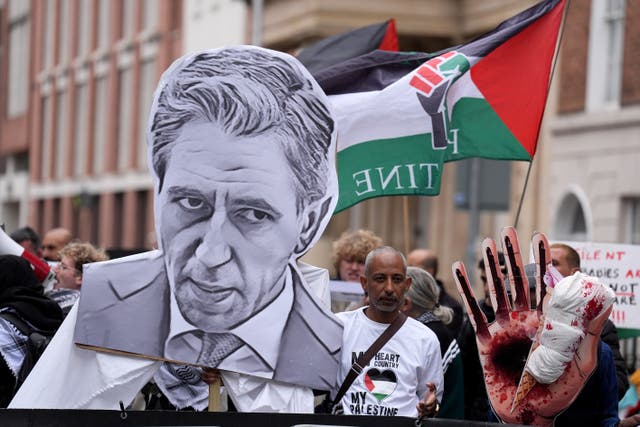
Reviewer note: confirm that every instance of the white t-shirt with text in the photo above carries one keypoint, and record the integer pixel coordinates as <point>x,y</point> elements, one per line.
<point>395,379</point>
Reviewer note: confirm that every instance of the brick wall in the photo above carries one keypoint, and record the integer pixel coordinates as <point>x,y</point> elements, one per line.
<point>573,52</point>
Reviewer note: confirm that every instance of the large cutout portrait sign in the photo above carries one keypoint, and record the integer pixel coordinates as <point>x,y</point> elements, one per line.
<point>241,146</point>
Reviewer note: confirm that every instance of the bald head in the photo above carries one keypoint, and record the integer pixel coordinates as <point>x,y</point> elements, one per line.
<point>383,250</point>
<point>425,259</point>
<point>53,241</point>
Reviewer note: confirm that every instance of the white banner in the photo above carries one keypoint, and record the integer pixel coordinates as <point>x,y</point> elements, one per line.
<point>619,267</point>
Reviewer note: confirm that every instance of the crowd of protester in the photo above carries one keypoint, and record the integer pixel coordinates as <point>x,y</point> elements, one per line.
<point>30,314</point>
<point>24,301</point>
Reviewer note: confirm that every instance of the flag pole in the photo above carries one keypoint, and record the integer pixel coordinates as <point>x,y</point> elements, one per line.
<point>553,69</point>
<point>405,221</point>
<point>524,190</point>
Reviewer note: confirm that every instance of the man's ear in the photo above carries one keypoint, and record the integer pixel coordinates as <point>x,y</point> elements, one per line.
<point>407,307</point>
<point>363,283</point>
<point>310,224</point>
<point>407,284</point>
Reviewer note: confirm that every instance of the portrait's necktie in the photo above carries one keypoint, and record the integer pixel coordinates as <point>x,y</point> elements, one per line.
<point>216,347</point>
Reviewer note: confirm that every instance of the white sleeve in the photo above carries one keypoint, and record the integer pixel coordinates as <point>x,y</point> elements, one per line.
<point>431,372</point>
<point>67,377</point>
<point>317,279</point>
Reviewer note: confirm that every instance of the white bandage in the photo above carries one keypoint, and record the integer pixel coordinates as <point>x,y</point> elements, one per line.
<point>575,301</point>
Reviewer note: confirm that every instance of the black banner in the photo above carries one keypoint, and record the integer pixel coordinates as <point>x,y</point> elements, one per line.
<point>99,418</point>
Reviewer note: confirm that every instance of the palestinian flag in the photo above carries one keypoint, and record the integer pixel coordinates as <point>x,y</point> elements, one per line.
<point>380,383</point>
<point>400,117</point>
<point>341,47</point>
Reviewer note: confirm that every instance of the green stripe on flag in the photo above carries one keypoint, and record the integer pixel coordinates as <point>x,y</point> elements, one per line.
<point>481,133</point>
<point>389,167</point>
<point>383,387</point>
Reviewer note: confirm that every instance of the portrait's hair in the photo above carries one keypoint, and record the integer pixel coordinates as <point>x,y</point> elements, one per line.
<point>247,92</point>
<point>354,246</point>
<point>424,294</point>
<point>83,253</point>
<point>26,233</point>
<point>573,258</point>
<point>369,259</point>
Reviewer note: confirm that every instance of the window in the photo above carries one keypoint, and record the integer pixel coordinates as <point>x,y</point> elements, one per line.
<point>615,37</point>
<point>631,210</point>
<point>606,42</point>
<point>47,34</point>
<point>18,86</point>
<point>128,18</point>
<point>570,221</point>
<point>84,36</point>
<point>148,83</point>
<point>95,220</point>
<point>21,162</point>
<point>124,119</point>
<point>141,218</point>
<point>149,14</point>
<point>61,134</point>
<point>63,32</point>
<point>75,221</point>
<point>103,23</point>
<point>117,218</point>
<point>40,215</point>
<point>80,136</point>
<point>56,212</point>
<point>100,124</point>
<point>45,137</point>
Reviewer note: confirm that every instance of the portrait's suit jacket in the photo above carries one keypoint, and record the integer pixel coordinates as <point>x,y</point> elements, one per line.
<point>124,305</point>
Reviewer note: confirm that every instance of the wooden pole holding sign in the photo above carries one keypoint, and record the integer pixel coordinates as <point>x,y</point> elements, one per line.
<point>405,223</point>
<point>214,396</point>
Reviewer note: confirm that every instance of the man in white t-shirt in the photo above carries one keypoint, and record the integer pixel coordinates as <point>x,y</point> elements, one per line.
<point>405,377</point>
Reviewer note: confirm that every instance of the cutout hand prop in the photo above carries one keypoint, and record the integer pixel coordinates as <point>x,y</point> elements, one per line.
<point>504,345</point>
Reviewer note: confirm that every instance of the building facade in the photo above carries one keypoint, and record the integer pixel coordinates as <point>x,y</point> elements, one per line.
<point>87,72</point>
<point>15,27</point>
<point>594,190</point>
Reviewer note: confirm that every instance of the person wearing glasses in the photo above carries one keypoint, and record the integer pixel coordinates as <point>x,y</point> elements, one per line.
<point>68,272</point>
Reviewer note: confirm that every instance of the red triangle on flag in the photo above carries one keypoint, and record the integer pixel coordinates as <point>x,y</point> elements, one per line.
<point>390,39</point>
<point>514,77</point>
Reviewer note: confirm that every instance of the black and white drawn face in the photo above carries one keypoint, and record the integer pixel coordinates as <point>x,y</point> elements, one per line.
<point>241,147</point>
<point>228,223</point>
<point>242,155</point>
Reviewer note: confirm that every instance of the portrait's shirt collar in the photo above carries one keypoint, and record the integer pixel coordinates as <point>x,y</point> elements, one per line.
<point>262,333</point>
